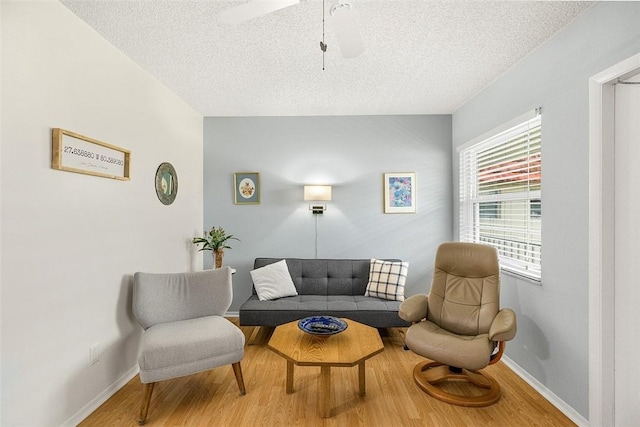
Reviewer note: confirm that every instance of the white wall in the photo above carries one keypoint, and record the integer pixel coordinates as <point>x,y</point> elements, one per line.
<point>553,319</point>
<point>351,153</point>
<point>71,242</point>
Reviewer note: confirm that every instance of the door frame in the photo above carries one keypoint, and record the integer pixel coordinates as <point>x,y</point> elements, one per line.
<point>601,241</point>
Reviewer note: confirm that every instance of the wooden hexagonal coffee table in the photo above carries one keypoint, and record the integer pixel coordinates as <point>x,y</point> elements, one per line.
<point>346,349</point>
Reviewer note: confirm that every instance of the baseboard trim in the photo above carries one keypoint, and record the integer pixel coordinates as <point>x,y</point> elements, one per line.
<point>232,314</point>
<point>546,393</point>
<point>88,409</point>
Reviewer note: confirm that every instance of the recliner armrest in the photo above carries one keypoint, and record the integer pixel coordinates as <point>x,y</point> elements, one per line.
<point>414,308</point>
<point>503,327</point>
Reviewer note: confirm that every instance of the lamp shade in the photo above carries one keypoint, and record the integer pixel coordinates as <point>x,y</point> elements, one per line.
<point>317,193</point>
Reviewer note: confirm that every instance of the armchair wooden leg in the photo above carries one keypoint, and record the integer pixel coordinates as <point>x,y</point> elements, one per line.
<point>403,332</point>
<point>238,371</point>
<point>147,391</point>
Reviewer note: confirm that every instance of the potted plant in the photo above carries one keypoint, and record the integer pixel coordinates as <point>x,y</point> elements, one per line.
<point>215,241</point>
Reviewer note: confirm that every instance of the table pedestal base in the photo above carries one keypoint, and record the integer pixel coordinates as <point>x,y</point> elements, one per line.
<point>325,385</point>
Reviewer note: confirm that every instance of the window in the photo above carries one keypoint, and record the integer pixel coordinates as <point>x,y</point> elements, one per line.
<point>500,195</point>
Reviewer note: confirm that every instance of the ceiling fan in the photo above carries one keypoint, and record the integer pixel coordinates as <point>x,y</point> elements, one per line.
<point>342,19</point>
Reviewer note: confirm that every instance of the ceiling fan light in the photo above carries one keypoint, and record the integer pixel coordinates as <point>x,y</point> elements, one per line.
<point>346,29</point>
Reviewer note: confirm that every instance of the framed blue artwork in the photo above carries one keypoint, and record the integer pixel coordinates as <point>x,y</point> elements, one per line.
<point>400,192</point>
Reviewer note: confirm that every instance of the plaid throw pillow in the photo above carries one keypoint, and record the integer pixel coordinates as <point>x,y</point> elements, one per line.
<point>386,279</point>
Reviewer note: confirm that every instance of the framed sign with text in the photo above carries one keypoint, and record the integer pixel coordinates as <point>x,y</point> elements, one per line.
<point>73,152</point>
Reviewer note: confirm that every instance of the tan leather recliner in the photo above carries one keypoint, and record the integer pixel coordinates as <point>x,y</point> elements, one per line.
<point>459,325</point>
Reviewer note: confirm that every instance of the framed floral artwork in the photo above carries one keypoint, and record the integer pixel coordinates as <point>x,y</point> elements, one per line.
<point>400,192</point>
<point>246,188</point>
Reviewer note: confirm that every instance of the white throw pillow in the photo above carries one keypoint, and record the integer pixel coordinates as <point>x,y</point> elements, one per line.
<point>273,281</point>
<point>386,279</point>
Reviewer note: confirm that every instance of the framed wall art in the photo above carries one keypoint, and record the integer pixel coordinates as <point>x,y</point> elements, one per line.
<point>400,192</point>
<point>246,188</point>
<point>77,153</point>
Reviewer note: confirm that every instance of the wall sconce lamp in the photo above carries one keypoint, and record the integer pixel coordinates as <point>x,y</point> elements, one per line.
<point>317,193</point>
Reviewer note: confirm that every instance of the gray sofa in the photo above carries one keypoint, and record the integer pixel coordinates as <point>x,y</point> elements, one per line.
<point>333,287</point>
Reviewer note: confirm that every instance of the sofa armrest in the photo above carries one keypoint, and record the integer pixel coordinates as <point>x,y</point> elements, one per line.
<point>414,308</point>
<point>503,327</point>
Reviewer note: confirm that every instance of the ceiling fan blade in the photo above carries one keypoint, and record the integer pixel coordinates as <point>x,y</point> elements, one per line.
<point>347,31</point>
<point>253,9</point>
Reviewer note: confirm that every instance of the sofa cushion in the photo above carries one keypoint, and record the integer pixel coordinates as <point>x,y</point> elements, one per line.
<point>273,281</point>
<point>367,310</point>
<point>324,276</point>
<point>387,279</point>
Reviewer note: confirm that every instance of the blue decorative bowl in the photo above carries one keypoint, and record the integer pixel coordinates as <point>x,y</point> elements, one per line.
<point>322,325</point>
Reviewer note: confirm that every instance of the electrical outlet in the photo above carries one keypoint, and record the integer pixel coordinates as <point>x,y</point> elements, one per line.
<point>94,354</point>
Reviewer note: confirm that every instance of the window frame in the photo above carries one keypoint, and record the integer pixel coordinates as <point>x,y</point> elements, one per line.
<point>528,265</point>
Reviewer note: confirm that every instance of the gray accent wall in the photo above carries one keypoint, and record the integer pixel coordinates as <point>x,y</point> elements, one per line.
<point>553,318</point>
<point>351,154</point>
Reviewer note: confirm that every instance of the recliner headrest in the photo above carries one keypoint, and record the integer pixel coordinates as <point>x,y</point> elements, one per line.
<point>467,259</point>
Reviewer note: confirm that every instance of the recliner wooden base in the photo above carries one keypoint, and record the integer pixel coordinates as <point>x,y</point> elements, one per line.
<point>427,374</point>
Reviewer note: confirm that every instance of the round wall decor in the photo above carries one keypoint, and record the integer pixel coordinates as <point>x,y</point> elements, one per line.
<point>166,183</point>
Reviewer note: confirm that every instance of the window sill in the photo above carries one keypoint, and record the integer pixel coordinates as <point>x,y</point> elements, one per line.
<point>533,281</point>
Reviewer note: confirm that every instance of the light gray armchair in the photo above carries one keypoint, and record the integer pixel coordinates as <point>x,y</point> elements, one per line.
<point>184,328</point>
<point>459,325</point>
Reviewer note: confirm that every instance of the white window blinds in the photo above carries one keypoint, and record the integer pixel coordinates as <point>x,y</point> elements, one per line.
<point>500,196</point>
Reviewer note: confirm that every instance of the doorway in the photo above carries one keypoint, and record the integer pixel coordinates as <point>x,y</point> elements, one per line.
<point>627,249</point>
<point>613,204</point>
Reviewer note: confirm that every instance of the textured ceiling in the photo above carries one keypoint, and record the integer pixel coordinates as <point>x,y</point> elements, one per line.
<point>421,57</point>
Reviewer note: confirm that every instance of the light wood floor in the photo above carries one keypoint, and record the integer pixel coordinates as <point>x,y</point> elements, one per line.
<point>212,399</point>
